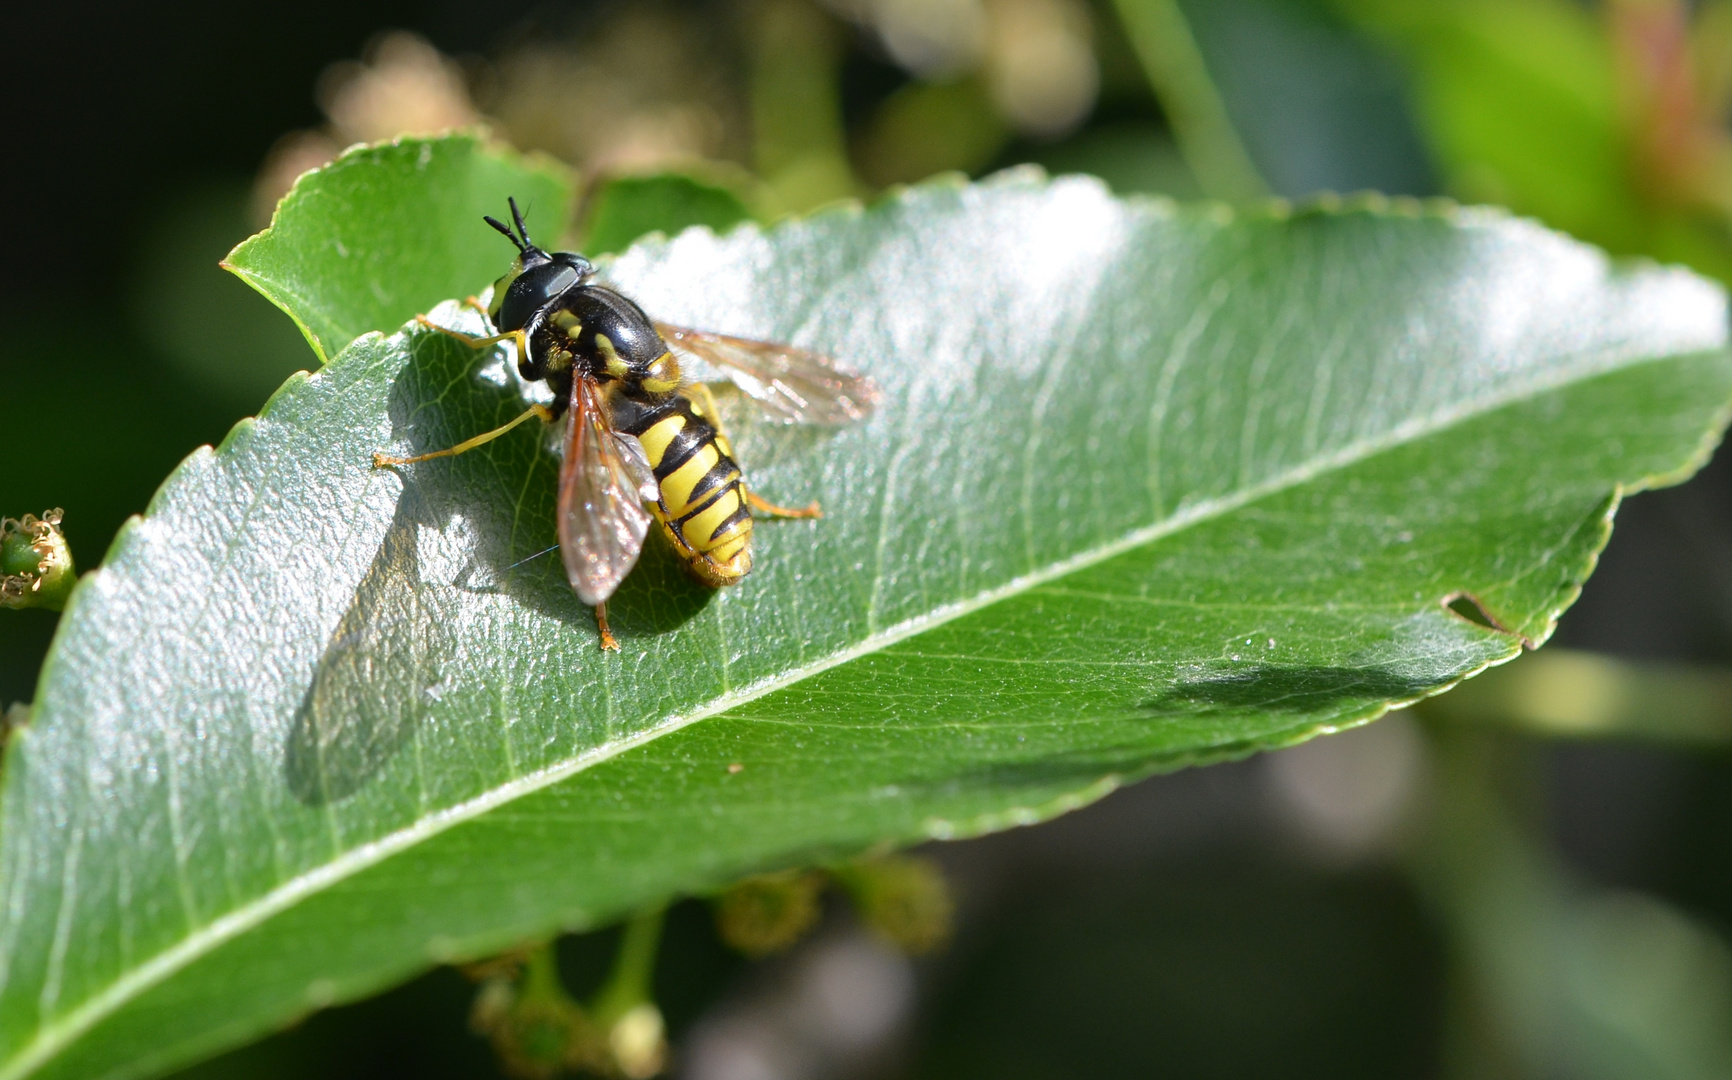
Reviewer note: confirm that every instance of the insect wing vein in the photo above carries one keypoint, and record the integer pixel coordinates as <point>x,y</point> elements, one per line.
<point>602,521</point>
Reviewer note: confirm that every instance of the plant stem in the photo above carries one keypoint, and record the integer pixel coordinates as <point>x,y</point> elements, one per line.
<point>1202,128</point>
<point>541,974</point>
<point>628,984</point>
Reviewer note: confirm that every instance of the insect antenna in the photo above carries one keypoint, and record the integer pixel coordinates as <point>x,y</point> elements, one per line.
<point>503,228</point>
<point>517,216</point>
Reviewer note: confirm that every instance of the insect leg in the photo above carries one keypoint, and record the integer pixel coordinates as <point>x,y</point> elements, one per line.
<point>381,460</point>
<point>770,509</point>
<point>607,639</point>
<point>516,337</point>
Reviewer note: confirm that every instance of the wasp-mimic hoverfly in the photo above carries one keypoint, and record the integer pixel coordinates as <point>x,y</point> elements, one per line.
<point>639,432</point>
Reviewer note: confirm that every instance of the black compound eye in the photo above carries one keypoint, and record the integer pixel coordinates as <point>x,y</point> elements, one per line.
<point>533,290</point>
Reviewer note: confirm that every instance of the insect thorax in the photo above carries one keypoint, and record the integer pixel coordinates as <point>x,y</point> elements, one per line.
<point>595,331</point>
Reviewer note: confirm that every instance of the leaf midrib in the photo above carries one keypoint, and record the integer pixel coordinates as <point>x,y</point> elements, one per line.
<point>56,1035</point>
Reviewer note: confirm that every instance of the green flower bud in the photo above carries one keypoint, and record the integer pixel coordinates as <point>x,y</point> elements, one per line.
<point>904,899</point>
<point>539,1031</point>
<point>768,914</point>
<point>535,1026</point>
<point>35,563</point>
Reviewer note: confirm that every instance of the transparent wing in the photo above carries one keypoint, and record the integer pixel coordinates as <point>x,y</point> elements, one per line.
<point>637,465</point>
<point>792,385</point>
<point>602,521</point>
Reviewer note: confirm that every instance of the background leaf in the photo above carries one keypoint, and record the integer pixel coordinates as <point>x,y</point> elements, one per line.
<point>1560,152</point>
<point>1148,488</point>
<point>627,207</point>
<point>1319,108</point>
<point>385,232</point>
<point>1522,103</point>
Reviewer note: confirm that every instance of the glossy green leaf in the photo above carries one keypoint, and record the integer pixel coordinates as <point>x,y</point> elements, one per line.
<point>1148,487</point>
<point>385,232</point>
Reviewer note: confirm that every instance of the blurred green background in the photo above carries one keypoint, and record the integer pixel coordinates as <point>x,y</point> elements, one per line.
<point>1531,877</point>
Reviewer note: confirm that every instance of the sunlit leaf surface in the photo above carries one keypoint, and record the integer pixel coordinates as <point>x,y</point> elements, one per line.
<point>1148,487</point>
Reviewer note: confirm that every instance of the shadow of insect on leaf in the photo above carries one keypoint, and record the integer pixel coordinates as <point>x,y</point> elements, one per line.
<point>1278,689</point>
<point>376,680</point>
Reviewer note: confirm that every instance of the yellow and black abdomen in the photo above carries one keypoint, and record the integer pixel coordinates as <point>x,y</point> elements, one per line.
<point>702,499</point>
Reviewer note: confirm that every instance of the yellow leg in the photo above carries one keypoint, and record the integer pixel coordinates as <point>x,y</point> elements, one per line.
<point>772,510</point>
<point>607,641</point>
<point>381,460</point>
<point>516,337</point>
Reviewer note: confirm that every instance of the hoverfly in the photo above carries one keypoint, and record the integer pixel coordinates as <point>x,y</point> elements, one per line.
<point>640,433</point>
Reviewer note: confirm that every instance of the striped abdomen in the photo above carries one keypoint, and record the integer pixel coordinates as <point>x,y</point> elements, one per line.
<point>702,504</point>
